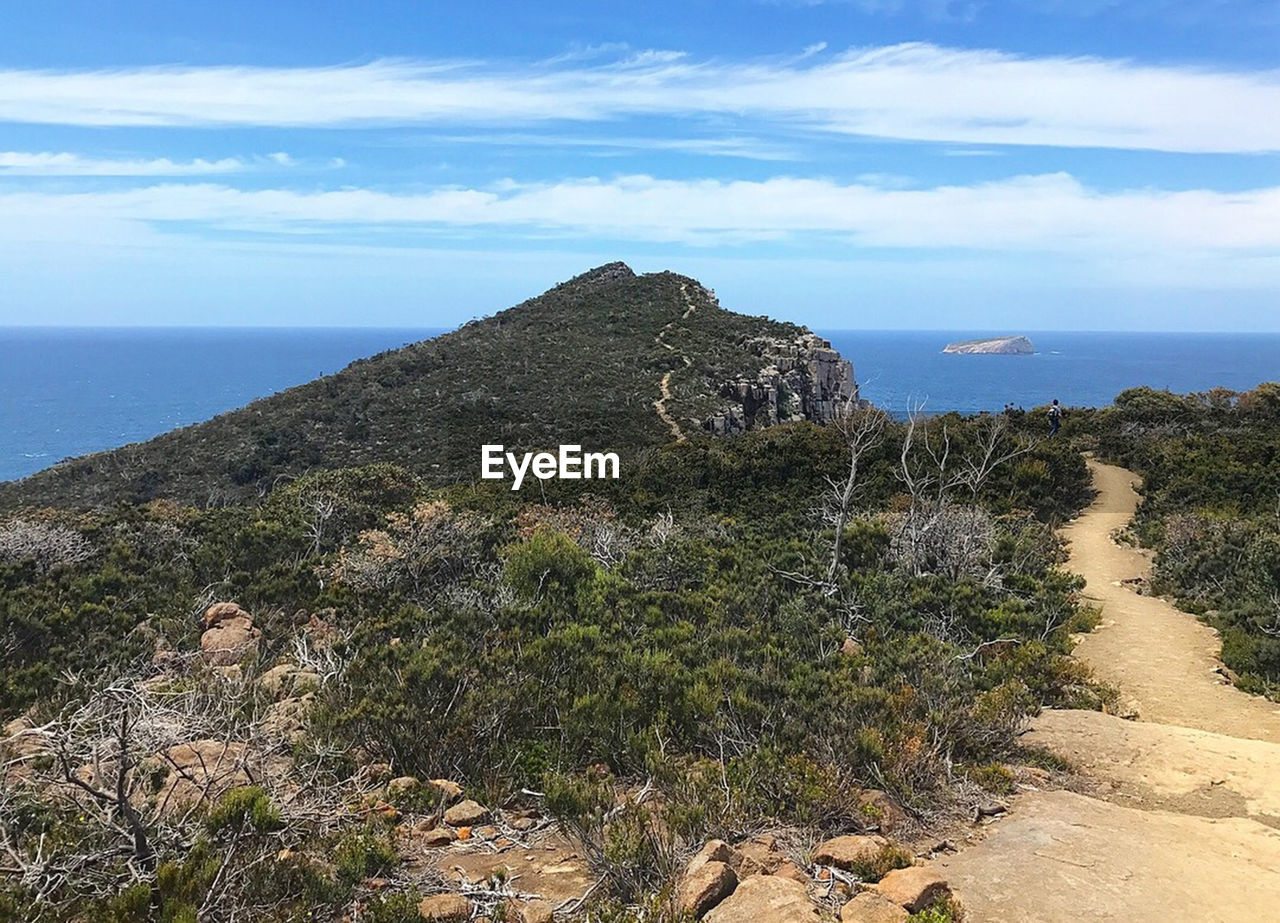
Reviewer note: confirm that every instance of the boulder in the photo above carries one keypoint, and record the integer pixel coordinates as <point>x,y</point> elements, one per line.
<point>766,899</point>
<point>704,886</point>
<point>17,726</point>
<point>846,852</point>
<point>789,869</point>
<point>711,851</point>
<point>188,773</point>
<point>445,908</point>
<point>436,837</point>
<point>402,785</point>
<point>850,647</point>
<point>286,719</point>
<point>534,911</point>
<point>21,741</point>
<point>758,856</point>
<point>447,789</point>
<point>288,679</point>
<point>466,814</point>
<point>229,635</point>
<point>223,612</point>
<point>914,888</point>
<point>870,907</point>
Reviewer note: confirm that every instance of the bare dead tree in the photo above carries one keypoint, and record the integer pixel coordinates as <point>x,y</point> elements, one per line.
<point>135,768</point>
<point>109,783</point>
<point>994,449</point>
<point>317,506</point>
<point>938,534</point>
<point>1272,625</point>
<point>862,429</point>
<point>44,545</point>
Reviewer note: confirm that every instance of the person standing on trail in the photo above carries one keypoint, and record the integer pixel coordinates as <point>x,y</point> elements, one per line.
<point>1055,417</point>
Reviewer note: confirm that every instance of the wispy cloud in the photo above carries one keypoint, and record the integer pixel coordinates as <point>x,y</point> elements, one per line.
<point>911,92</point>
<point>48,163</point>
<point>1052,213</point>
<point>743,148</point>
<point>1175,12</point>
<point>64,163</point>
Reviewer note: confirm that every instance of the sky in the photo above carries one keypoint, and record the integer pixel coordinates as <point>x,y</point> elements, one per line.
<point>1011,165</point>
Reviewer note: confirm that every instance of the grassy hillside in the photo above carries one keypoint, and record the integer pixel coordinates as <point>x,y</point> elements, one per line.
<point>581,363</point>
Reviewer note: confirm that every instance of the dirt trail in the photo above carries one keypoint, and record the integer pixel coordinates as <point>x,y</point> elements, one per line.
<point>664,386</point>
<point>1181,821</point>
<point>1162,659</point>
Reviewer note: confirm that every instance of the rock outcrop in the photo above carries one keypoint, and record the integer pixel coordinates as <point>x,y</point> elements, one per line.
<point>913,888</point>
<point>848,852</point>
<point>766,899</point>
<point>805,379</point>
<point>466,814</point>
<point>445,908</point>
<point>706,885</point>
<point>228,635</point>
<point>870,907</point>
<point>992,346</point>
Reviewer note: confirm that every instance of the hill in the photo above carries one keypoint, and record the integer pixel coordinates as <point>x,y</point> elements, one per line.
<point>609,360</point>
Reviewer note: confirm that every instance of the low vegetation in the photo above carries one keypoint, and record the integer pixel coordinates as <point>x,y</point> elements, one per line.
<point>749,632</point>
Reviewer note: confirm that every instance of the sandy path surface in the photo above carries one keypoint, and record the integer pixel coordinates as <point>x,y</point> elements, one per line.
<point>1181,822</point>
<point>1066,857</point>
<point>1163,660</point>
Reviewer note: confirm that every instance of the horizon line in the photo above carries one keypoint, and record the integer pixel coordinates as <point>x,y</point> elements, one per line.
<point>442,329</point>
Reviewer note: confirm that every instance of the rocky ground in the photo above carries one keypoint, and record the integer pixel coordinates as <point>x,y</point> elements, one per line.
<point>1179,819</point>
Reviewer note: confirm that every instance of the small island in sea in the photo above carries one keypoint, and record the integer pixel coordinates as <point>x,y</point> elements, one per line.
<point>993,346</point>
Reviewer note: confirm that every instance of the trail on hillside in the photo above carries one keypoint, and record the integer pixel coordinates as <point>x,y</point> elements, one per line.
<point>664,386</point>
<point>1182,817</point>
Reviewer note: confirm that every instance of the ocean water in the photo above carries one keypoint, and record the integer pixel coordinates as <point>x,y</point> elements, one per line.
<point>899,370</point>
<point>66,392</point>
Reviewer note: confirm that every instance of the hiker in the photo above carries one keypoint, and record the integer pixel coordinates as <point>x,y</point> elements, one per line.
<point>1055,418</point>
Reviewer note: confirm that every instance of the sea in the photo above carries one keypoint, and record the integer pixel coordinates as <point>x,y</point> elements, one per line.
<point>69,391</point>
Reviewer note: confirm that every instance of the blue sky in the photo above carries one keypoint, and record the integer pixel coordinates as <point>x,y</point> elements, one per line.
<point>956,164</point>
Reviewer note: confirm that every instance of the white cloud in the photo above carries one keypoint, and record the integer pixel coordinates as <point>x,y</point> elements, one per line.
<point>64,163</point>
<point>48,163</point>
<point>744,148</point>
<point>912,92</point>
<point>1050,214</point>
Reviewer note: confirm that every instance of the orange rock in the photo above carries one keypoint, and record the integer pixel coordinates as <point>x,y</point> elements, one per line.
<point>845,852</point>
<point>914,888</point>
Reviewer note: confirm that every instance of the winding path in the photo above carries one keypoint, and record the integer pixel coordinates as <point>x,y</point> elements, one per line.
<point>664,386</point>
<point>1164,661</point>
<point>1182,819</point>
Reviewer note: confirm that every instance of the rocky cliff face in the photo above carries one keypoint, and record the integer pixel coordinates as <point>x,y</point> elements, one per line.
<point>805,379</point>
